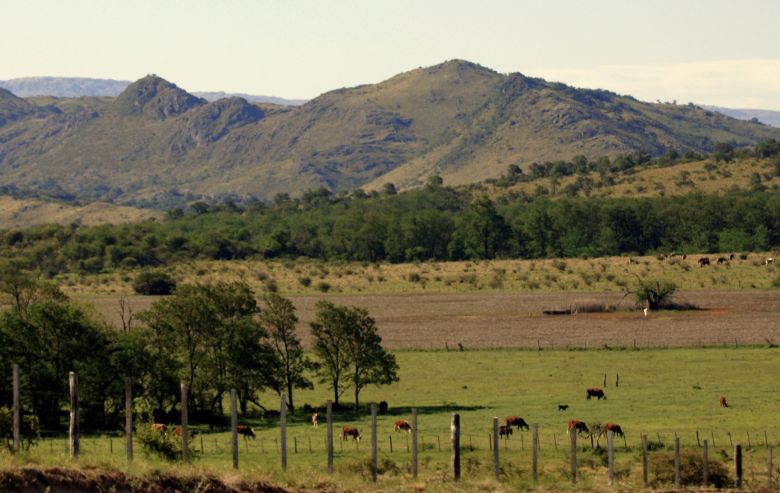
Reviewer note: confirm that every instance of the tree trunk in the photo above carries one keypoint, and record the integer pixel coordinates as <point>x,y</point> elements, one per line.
<point>357,402</point>
<point>290,396</point>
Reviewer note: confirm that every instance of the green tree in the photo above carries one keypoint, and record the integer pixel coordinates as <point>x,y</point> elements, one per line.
<point>24,287</point>
<point>484,231</point>
<point>347,342</point>
<point>278,318</point>
<point>654,294</point>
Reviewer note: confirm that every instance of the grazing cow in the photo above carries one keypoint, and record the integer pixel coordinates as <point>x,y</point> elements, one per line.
<point>177,431</point>
<point>578,427</point>
<point>402,424</point>
<point>704,261</point>
<point>246,431</point>
<point>770,260</point>
<point>517,421</point>
<point>383,407</point>
<point>563,407</point>
<point>723,402</point>
<point>504,431</point>
<point>722,260</point>
<point>613,428</point>
<point>597,393</point>
<point>348,431</point>
<point>731,257</point>
<point>315,419</point>
<point>159,427</point>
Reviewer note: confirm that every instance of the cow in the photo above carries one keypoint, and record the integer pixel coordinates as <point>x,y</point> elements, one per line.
<point>190,431</point>
<point>383,407</point>
<point>246,431</point>
<point>597,393</point>
<point>517,421</point>
<point>402,424</point>
<point>349,431</point>
<point>315,419</point>
<point>563,407</point>
<point>159,427</point>
<point>723,402</point>
<point>731,257</point>
<point>614,428</point>
<point>770,260</point>
<point>704,261</point>
<point>722,260</point>
<point>578,427</point>
<point>504,431</point>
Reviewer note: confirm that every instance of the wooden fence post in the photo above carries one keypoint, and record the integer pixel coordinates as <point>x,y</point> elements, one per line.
<point>234,425</point>
<point>455,445</point>
<point>610,457</point>
<point>705,468</point>
<point>185,425</point>
<point>769,451</point>
<point>677,462</point>
<point>535,453</point>
<point>738,465</point>
<point>495,448</point>
<point>391,442</point>
<point>573,436</point>
<point>414,442</point>
<point>373,443</point>
<point>329,442</point>
<point>73,431</point>
<point>129,418</point>
<point>283,427</point>
<point>644,461</point>
<point>17,424</point>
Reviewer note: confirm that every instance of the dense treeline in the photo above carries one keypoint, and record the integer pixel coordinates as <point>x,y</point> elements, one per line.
<point>213,337</point>
<point>434,223</point>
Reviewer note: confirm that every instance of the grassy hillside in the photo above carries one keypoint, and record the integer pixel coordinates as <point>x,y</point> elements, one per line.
<point>157,144</point>
<point>24,213</point>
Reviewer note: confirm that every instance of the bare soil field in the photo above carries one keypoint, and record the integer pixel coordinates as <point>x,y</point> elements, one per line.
<point>512,320</point>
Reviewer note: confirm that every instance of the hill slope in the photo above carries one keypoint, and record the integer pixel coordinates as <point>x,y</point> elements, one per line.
<point>155,144</point>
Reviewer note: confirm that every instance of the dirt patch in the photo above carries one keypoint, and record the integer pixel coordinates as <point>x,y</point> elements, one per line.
<point>61,480</point>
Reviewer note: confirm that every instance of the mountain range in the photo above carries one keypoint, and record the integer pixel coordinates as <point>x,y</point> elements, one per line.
<point>155,144</point>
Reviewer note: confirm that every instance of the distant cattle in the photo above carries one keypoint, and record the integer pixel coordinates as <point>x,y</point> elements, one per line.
<point>613,428</point>
<point>246,431</point>
<point>504,431</point>
<point>597,393</point>
<point>315,419</point>
<point>704,261</point>
<point>722,260</point>
<point>563,407</point>
<point>402,425</point>
<point>770,260</point>
<point>516,421</point>
<point>159,427</point>
<point>349,431</point>
<point>577,426</point>
<point>383,407</point>
<point>731,257</point>
<point>723,402</point>
<point>190,431</point>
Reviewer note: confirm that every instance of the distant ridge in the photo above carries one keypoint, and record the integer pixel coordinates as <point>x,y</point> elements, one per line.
<point>158,145</point>
<point>77,87</point>
<point>767,117</point>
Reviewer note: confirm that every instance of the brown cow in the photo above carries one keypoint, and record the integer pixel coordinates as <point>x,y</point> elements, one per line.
<point>402,424</point>
<point>614,428</point>
<point>504,431</point>
<point>723,402</point>
<point>516,421</point>
<point>597,393</point>
<point>315,419</point>
<point>578,426</point>
<point>704,261</point>
<point>191,432</point>
<point>349,431</point>
<point>246,431</point>
<point>722,260</point>
<point>159,427</point>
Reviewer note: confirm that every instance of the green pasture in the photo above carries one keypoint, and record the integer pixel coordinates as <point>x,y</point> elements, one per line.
<point>662,392</point>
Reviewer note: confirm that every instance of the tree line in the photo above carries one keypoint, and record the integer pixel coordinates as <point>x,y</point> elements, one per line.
<point>213,337</point>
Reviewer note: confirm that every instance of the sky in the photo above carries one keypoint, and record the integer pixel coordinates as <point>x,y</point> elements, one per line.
<point>716,52</point>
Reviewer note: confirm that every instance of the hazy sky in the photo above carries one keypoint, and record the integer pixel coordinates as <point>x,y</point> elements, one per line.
<point>706,51</point>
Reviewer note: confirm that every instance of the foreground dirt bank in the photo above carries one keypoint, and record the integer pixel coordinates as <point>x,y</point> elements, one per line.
<point>61,480</point>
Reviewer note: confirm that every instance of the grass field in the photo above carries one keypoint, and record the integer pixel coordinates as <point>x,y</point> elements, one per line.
<point>661,393</point>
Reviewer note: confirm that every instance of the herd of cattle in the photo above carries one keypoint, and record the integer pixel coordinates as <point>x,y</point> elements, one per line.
<point>504,431</point>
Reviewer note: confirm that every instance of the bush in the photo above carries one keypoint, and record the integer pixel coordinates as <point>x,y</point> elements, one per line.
<point>164,444</point>
<point>154,283</point>
<point>776,283</point>
<point>662,468</point>
<point>323,286</point>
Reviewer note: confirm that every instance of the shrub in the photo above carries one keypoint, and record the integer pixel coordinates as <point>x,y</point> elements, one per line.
<point>164,444</point>
<point>776,283</point>
<point>662,468</point>
<point>305,281</point>
<point>154,283</point>
<point>323,286</point>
